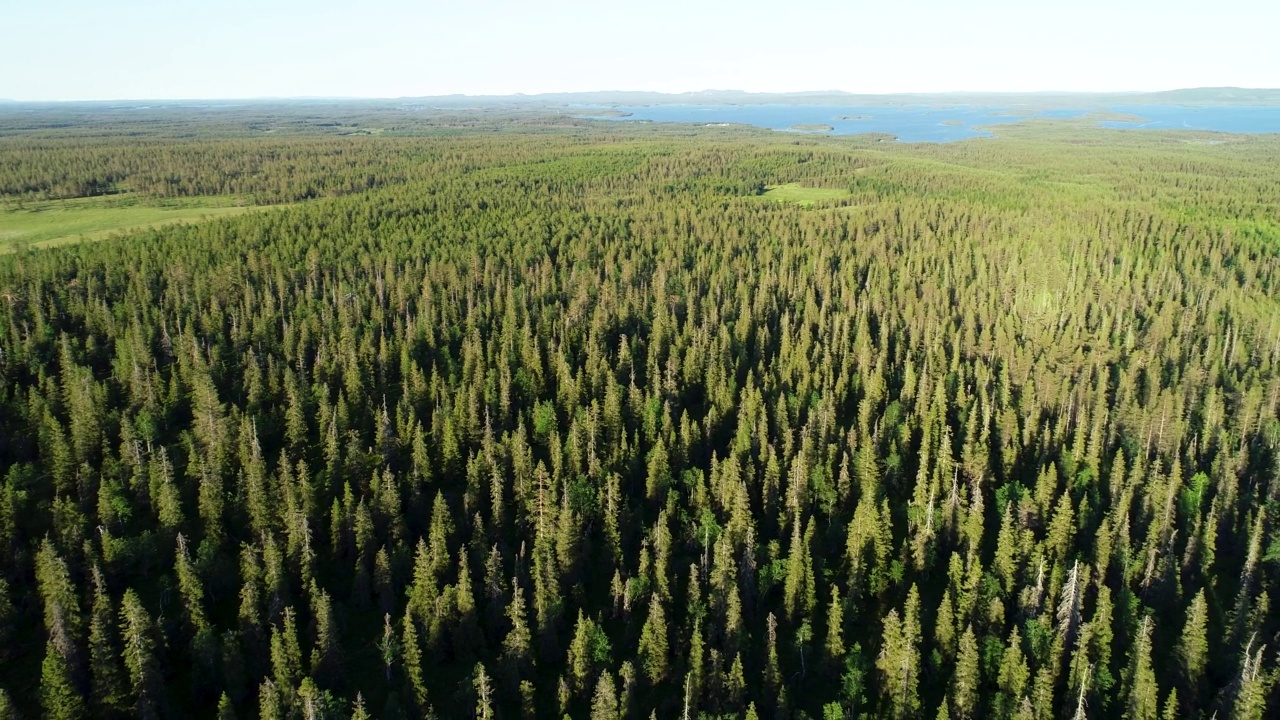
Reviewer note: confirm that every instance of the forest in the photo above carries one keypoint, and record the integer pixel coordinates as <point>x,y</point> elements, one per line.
<point>556,418</point>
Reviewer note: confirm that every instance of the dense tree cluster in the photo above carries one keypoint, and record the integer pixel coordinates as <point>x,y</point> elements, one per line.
<point>571,424</point>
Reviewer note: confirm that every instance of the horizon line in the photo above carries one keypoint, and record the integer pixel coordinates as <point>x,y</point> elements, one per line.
<point>536,95</point>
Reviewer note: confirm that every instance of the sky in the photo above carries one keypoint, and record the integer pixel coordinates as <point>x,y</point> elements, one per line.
<point>185,49</point>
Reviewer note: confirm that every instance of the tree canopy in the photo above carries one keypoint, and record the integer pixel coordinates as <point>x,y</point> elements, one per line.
<point>569,422</point>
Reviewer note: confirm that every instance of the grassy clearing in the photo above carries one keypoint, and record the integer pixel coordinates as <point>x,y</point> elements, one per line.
<point>60,222</point>
<point>795,193</point>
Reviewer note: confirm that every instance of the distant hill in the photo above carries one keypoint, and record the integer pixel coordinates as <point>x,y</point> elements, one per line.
<point>1216,96</point>
<point>1189,96</point>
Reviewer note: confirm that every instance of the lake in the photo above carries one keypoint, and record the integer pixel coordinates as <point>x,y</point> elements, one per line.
<point>933,123</point>
<point>1233,119</point>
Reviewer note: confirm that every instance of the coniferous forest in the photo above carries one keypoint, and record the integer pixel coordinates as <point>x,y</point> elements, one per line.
<point>553,418</point>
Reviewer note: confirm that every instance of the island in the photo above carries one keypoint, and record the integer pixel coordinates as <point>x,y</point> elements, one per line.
<point>607,113</point>
<point>813,127</point>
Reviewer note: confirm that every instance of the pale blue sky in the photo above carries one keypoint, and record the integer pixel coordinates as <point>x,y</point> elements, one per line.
<point>163,49</point>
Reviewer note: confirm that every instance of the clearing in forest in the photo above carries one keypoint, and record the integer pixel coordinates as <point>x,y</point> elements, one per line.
<point>800,195</point>
<point>48,223</point>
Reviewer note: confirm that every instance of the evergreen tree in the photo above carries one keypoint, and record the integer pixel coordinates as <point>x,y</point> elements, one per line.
<point>1193,647</point>
<point>62,619</point>
<point>109,695</point>
<point>286,657</point>
<point>484,693</point>
<point>1141,691</point>
<point>270,706</point>
<point>898,664</point>
<point>604,705</point>
<point>516,646</point>
<point>834,647</point>
<point>411,653</point>
<point>138,632</point>
<point>1253,685</point>
<point>966,680</point>
<point>326,653</point>
<point>1013,671</point>
<point>652,650</point>
<point>58,696</point>
<point>226,711</point>
<point>7,711</point>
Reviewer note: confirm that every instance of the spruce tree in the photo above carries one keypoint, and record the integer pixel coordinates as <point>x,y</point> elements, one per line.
<point>137,631</point>
<point>109,694</point>
<point>58,696</point>
<point>965,680</point>
<point>652,650</point>
<point>1141,691</point>
<point>1193,646</point>
<point>604,704</point>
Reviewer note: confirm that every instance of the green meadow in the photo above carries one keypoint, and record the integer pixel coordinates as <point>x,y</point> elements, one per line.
<point>49,223</point>
<point>800,195</point>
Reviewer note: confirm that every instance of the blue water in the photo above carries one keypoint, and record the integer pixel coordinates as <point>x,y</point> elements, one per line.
<point>1234,119</point>
<point>930,123</point>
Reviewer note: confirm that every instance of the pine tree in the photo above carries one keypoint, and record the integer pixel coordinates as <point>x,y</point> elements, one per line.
<point>7,711</point>
<point>1069,607</point>
<point>793,588</point>
<point>1252,685</point>
<point>694,680</point>
<point>382,589</point>
<point>1005,562</point>
<point>358,711</point>
<point>833,650</point>
<point>772,670</point>
<point>898,664</point>
<point>1061,528</point>
<point>604,705</point>
<point>226,711</point>
<point>467,638</point>
<point>204,645</point>
<point>579,662</point>
<point>965,681</point>
<point>484,693</point>
<point>652,650</point>
<point>411,653</point>
<point>1193,647</point>
<point>286,657</point>
<point>62,618</point>
<point>270,706</point>
<point>8,615</point>
<point>1142,693</point>
<point>326,653</point>
<point>388,647</point>
<point>658,474</point>
<point>516,646</point>
<point>109,695</point>
<point>945,626</point>
<point>1171,709</point>
<point>1013,671</point>
<point>138,634</point>
<point>58,696</point>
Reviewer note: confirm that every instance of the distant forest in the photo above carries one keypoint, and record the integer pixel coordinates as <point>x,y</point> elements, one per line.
<point>530,416</point>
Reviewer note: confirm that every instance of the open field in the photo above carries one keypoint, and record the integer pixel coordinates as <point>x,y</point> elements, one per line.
<point>800,195</point>
<point>59,222</point>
